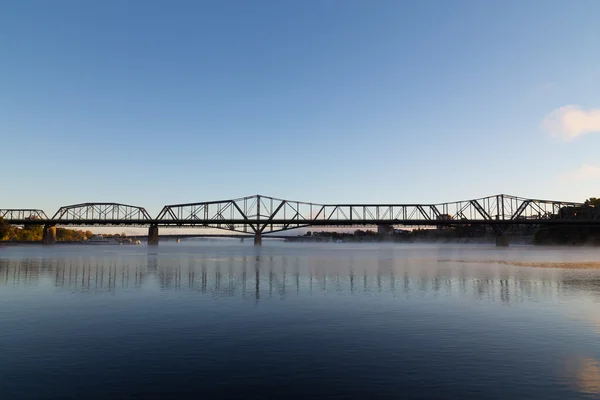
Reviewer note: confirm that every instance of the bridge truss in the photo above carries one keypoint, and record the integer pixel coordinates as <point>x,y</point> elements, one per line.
<point>269,215</point>
<point>247,214</point>
<point>22,214</point>
<point>263,214</point>
<point>101,213</point>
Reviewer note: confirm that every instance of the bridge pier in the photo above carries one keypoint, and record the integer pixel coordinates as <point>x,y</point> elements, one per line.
<point>258,238</point>
<point>49,234</point>
<point>384,230</point>
<point>502,241</point>
<point>153,235</point>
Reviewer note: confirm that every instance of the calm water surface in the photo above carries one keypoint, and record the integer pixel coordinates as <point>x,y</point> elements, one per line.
<point>227,320</point>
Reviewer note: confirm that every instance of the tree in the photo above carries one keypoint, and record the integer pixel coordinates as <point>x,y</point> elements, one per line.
<point>592,201</point>
<point>558,234</point>
<point>5,229</point>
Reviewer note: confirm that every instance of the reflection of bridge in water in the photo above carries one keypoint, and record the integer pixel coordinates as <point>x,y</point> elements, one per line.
<point>259,277</point>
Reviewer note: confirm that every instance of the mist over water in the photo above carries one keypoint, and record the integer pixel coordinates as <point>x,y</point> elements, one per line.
<point>228,320</point>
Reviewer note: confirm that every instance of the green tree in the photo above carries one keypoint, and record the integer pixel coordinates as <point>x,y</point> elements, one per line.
<point>5,229</point>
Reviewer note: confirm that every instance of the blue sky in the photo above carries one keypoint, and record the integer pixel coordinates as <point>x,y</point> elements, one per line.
<point>156,102</point>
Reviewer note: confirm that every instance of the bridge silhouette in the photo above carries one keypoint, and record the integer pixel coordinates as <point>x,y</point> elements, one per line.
<point>263,215</point>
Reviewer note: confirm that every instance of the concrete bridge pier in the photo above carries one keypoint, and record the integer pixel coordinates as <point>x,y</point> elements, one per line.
<point>49,234</point>
<point>258,238</point>
<point>502,241</point>
<point>384,231</point>
<point>153,235</point>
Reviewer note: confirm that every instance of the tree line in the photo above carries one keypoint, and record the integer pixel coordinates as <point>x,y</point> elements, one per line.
<point>34,232</point>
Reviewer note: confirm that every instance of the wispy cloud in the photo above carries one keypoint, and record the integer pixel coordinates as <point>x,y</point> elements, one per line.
<point>584,173</point>
<point>542,89</point>
<point>571,121</point>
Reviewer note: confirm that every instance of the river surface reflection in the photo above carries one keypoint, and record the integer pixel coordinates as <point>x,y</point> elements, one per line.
<point>228,320</point>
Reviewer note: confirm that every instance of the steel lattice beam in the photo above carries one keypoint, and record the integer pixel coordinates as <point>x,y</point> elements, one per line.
<point>101,212</point>
<point>23,214</point>
<point>267,214</point>
<point>264,214</point>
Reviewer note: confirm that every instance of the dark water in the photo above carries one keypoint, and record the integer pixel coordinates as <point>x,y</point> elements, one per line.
<point>223,320</point>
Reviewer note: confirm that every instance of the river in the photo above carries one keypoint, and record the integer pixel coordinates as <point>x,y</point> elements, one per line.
<point>222,319</point>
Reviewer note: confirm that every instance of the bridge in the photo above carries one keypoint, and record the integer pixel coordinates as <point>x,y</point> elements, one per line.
<point>262,215</point>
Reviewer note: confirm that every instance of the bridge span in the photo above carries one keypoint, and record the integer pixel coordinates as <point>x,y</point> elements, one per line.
<point>257,215</point>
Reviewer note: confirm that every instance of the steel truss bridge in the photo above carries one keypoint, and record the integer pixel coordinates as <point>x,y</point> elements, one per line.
<point>258,215</point>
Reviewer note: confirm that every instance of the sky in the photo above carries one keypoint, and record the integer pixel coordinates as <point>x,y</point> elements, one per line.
<point>161,102</point>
